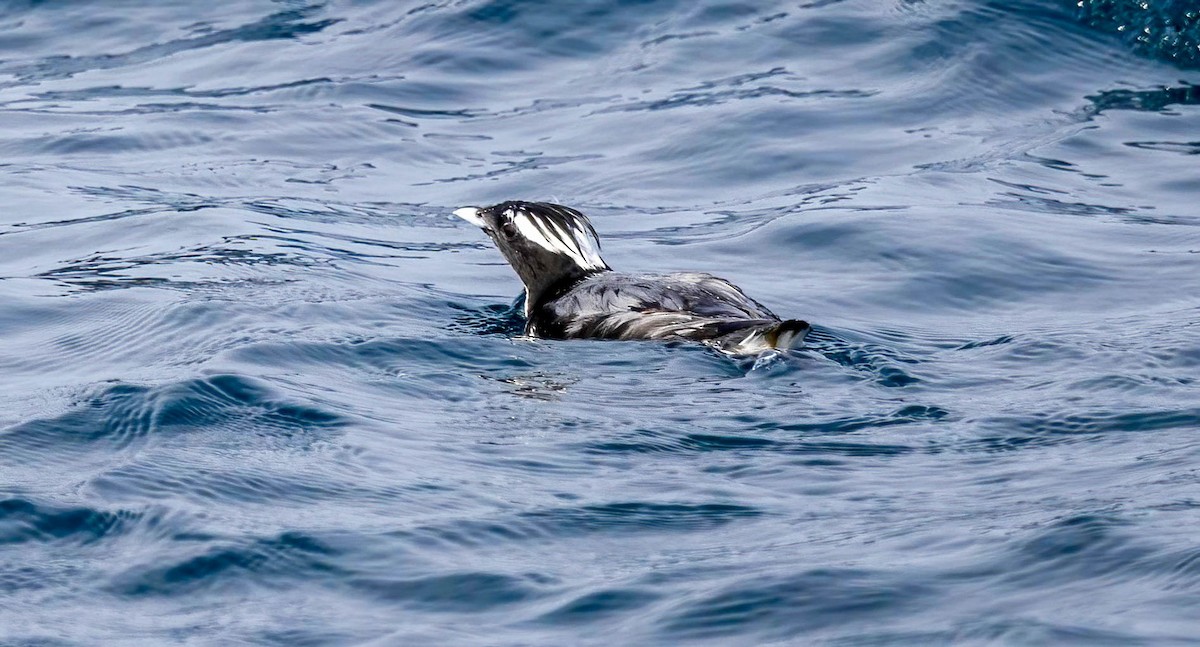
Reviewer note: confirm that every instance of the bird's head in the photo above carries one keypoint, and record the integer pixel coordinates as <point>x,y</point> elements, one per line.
<point>546,244</point>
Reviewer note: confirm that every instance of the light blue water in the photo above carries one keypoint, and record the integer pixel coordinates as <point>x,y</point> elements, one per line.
<point>259,387</point>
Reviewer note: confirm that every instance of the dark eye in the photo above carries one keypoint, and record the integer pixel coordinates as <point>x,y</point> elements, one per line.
<point>508,229</point>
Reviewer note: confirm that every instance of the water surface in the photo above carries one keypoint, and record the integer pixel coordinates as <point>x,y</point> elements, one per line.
<point>259,387</point>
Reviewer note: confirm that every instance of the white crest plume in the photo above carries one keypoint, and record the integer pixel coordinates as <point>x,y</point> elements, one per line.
<point>561,230</point>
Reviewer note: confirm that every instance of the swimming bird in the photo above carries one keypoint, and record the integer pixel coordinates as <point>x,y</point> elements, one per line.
<point>571,293</point>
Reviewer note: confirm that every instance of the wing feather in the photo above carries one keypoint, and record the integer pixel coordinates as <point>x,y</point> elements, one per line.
<point>624,306</point>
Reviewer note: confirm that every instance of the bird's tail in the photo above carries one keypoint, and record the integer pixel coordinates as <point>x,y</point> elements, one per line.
<point>788,334</point>
<point>784,335</point>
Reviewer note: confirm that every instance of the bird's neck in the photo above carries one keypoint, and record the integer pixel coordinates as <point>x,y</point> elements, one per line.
<point>536,298</point>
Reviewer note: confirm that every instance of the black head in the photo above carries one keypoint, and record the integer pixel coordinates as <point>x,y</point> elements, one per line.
<point>547,244</point>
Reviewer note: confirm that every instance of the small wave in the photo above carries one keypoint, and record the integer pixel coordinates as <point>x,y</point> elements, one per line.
<point>814,436</point>
<point>1009,433</point>
<point>885,366</point>
<point>124,417</point>
<point>289,557</point>
<point>196,480</point>
<point>286,24</point>
<point>495,319</point>
<point>1101,422</point>
<point>768,608</point>
<point>24,521</point>
<point>119,418</point>
<point>1090,544</point>
<point>603,519</point>
<point>104,272</point>
<point>658,442</point>
<point>600,605</point>
<point>741,87</point>
<point>511,162</point>
<point>1024,631</point>
<point>462,592</point>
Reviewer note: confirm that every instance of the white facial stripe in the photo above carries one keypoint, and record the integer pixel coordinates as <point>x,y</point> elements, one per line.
<point>550,236</point>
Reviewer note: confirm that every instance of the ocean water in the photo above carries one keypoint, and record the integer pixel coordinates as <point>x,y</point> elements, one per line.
<point>259,387</point>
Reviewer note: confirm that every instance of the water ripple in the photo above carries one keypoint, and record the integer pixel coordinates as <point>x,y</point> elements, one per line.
<point>291,556</point>
<point>461,592</point>
<point>125,417</point>
<point>24,521</point>
<point>775,608</point>
<point>628,517</point>
<point>280,25</point>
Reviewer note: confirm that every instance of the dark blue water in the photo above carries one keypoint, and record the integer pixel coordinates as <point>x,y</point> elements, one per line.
<point>259,387</point>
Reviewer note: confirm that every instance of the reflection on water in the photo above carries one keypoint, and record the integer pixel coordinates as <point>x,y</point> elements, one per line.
<point>1169,29</point>
<point>1155,100</point>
